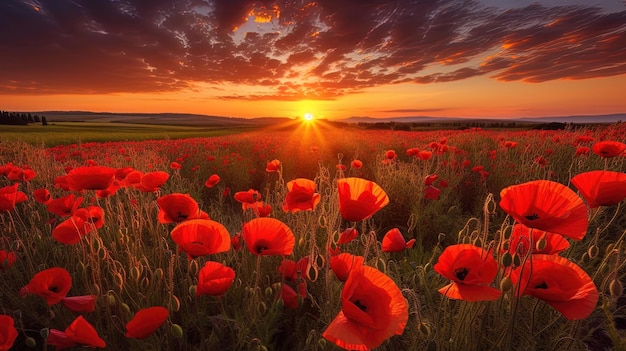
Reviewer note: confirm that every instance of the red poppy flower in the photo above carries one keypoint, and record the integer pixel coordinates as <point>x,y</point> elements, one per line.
<point>340,167</point>
<point>64,206</point>
<point>42,195</point>
<point>146,322</point>
<point>85,303</point>
<point>248,197</point>
<point>342,264</point>
<point>390,155</point>
<point>559,282</point>
<point>273,166</point>
<point>431,192</point>
<point>290,297</point>
<point>430,179</point>
<point>268,236</point>
<point>424,155</point>
<point>510,144</point>
<point>608,148</point>
<point>152,181</point>
<point>393,241</point>
<point>214,279</point>
<point>359,198</point>
<point>177,208</point>
<point>548,206</point>
<point>7,258</point>
<point>9,196</point>
<point>372,310</point>
<point>301,195</point>
<point>347,236</point>
<point>520,240</point>
<point>582,150</point>
<point>471,269</point>
<point>83,333</point>
<point>356,164</point>
<point>70,231</point>
<point>235,242</point>
<point>200,237</point>
<point>59,339</point>
<point>260,208</point>
<point>175,165</point>
<point>413,151</point>
<point>292,270</point>
<point>21,174</point>
<point>8,333</point>
<point>90,178</point>
<point>601,188</point>
<point>51,284</point>
<point>212,181</point>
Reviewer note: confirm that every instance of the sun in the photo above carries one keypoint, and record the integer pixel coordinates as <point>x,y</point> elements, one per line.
<point>308,117</point>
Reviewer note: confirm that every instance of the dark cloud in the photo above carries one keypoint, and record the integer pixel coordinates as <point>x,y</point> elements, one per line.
<point>300,49</point>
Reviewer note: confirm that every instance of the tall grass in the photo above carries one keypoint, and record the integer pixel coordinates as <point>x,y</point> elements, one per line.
<point>132,263</point>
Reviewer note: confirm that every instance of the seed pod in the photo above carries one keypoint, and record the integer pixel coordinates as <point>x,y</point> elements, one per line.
<point>424,329</point>
<point>541,244</point>
<point>125,308</point>
<point>506,284</point>
<point>593,251</point>
<point>616,288</point>
<point>175,303</point>
<point>111,299</point>
<point>177,331</point>
<point>192,290</point>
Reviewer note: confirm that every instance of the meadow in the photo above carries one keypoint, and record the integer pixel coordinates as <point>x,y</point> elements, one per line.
<point>316,238</point>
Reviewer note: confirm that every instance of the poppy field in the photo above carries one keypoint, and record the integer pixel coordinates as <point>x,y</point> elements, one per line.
<point>316,238</point>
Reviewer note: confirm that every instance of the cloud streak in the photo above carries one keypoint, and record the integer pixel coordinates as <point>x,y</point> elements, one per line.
<point>296,49</point>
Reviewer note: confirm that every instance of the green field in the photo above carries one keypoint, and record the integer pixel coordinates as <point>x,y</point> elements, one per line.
<point>59,133</point>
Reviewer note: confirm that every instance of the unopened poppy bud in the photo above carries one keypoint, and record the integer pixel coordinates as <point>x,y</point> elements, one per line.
<point>262,308</point>
<point>110,299</point>
<point>506,284</point>
<point>192,290</point>
<point>96,289</point>
<point>424,329</point>
<point>125,308</point>
<point>616,288</point>
<point>427,267</point>
<point>609,249</point>
<point>269,292</point>
<point>321,343</point>
<point>158,273</point>
<point>44,333</point>
<point>175,303</point>
<point>593,251</point>
<point>177,331</point>
<point>30,342</point>
<point>505,246</point>
<point>507,259</point>
<point>541,244</point>
<point>517,260</point>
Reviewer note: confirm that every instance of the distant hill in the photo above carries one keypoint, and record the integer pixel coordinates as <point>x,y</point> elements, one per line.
<point>609,118</point>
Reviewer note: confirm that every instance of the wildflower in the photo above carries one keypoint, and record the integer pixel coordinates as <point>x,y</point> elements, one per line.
<point>413,151</point>
<point>372,310</point>
<point>582,150</point>
<point>248,197</point>
<point>42,196</point>
<point>273,166</point>
<point>146,322</point>
<point>8,333</point>
<point>340,167</point>
<point>152,181</point>
<point>359,198</point>
<point>90,178</point>
<point>356,164</point>
<point>347,236</point>
<point>7,258</point>
<point>51,284</point>
<point>80,332</point>
<point>85,303</point>
<point>343,263</point>
<point>64,206</point>
<point>70,231</point>
<point>177,208</point>
<point>559,282</point>
<point>9,196</point>
<point>235,242</point>
<point>212,181</point>
<point>431,193</point>
<point>301,196</point>
<point>510,144</point>
<point>601,188</point>
<point>390,155</point>
<point>200,237</point>
<point>268,236</point>
<point>548,206</point>
<point>393,241</point>
<point>521,239</point>
<point>430,179</point>
<point>424,155</point>
<point>214,279</point>
<point>290,297</point>
<point>471,269</point>
<point>608,148</point>
<point>175,165</point>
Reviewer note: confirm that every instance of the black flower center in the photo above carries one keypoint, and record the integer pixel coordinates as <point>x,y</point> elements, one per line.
<point>532,217</point>
<point>181,215</point>
<point>53,288</point>
<point>543,285</point>
<point>358,304</point>
<point>461,273</point>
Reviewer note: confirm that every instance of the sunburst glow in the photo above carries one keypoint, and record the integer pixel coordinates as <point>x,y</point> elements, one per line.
<point>308,117</point>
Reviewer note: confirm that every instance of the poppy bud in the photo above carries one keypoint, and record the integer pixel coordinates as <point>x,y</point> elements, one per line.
<point>507,259</point>
<point>269,293</point>
<point>125,308</point>
<point>516,260</point>
<point>175,303</point>
<point>158,273</point>
<point>192,290</point>
<point>541,244</point>
<point>609,249</point>
<point>505,246</point>
<point>30,342</point>
<point>593,251</point>
<point>616,288</point>
<point>44,333</point>
<point>110,299</point>
<point>321,343</point>
<point>506,284</point>
<point>96,289</point>
<point>262,308</point>
<point>424,329</point>
<point>177,331</point>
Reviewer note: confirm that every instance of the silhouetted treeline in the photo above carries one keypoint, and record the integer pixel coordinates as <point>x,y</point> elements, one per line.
<point>431,125</point>
<point>19,118</point>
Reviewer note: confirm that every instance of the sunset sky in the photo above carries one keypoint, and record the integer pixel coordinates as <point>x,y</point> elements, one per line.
<point>331,58</point>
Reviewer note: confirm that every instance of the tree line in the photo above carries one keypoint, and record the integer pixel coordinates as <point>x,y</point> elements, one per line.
<point>21,118</point>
